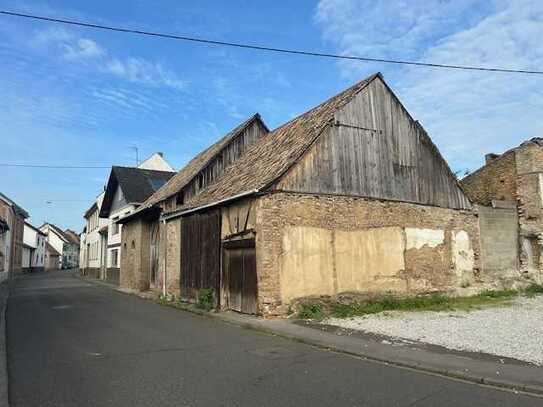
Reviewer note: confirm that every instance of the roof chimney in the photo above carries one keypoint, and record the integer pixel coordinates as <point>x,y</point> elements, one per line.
<point>490,157</point>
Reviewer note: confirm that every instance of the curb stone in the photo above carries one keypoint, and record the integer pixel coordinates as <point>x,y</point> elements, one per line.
<point>4,294</point>
<point>259,325</point>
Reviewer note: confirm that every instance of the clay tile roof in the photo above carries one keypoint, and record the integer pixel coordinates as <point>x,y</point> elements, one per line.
<point>271,156</point>
<point>189,171</point>
<point>72,236</point>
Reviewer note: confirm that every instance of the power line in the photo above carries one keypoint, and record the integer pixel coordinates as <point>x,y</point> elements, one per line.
<point>54,166</point>
<point>267,48</point>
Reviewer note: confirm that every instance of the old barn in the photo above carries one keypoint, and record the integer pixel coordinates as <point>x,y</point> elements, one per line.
<point>351,196</point>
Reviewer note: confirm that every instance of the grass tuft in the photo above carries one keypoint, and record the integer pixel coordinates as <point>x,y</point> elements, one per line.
<point>432,302</point>
<point>534,289</point>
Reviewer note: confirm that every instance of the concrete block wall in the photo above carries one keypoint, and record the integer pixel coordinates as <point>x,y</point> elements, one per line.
<point>499,244</point>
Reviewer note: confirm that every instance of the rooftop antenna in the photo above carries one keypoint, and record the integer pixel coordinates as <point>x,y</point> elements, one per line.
<point>135,148</point>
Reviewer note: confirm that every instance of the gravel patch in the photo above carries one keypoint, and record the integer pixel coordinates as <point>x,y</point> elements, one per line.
<point>514,331</point>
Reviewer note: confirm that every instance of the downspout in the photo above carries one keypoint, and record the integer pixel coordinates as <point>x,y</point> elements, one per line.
<point>165,257</point>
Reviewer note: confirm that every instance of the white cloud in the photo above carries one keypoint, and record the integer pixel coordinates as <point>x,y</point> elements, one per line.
<point>88,52</point>
<point>84,48</point>
<point>139,70</point>
<point>466,113</point>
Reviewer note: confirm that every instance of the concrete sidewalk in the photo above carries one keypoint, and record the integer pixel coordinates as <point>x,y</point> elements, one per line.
<point>473,367</point>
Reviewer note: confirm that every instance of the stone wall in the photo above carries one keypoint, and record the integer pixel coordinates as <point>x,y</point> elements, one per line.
<point>496,180</point>
<point>173,255</point>
<point>529,158</point>
<point>325,245</point>
<point>134,273</point>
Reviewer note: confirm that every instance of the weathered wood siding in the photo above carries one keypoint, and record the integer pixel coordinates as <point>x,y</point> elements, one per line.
<point>227,156</point>
<point>375,149</point>
<point>200,253</point>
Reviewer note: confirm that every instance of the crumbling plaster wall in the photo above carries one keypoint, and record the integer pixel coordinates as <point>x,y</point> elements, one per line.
<point>326,245</point>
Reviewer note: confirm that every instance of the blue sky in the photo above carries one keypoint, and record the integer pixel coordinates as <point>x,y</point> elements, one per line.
<point>74,96</point>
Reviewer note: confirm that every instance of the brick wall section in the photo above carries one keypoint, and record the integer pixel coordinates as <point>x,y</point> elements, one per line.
<point>276,211</point>
<point>496,180</point>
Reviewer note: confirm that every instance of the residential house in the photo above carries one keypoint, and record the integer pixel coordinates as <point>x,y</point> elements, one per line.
<point>52,258</point>
<point>33,248</point>
<point>350,197</point>
<point>93,247</point>
<point>509,190</point>
<point>12,218</point>
<point>127,188</point>
<point>66,244</point>
<point>70,256</point>
<point>147,240</point>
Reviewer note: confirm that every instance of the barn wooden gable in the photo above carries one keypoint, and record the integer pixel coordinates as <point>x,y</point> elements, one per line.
<point>374,148</point>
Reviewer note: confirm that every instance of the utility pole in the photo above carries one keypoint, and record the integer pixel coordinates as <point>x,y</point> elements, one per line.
<point>135,148</point>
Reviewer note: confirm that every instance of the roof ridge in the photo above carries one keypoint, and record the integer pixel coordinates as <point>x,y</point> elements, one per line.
<point>231,134</point>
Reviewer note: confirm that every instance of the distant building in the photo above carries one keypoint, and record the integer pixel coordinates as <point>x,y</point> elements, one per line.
<point>12,218</point>
<point>52,258</point>
<point>33,248</point>
<point>66,244</point>
<point>93,248</point>
<point>127,188</point>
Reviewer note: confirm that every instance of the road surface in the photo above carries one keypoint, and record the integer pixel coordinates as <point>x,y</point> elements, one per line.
<point>75,343</point>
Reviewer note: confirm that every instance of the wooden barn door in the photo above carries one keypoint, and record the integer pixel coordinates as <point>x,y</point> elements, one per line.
<point>240,275</point>
<point>200,254</point>
<point>154,243</point>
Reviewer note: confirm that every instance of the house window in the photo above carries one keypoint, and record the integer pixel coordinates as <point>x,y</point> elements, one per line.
<point>114,262</point>
<point>115,226</point>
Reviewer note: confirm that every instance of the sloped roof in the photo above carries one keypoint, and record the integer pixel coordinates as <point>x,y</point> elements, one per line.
<point>189,171</point>
<point>72,236</point>
<point>16,208</point>
<point>137,185</point>
<point>57,230</point>
<point>52,251</point>
<point>34,228</point>
<point>271,156</point>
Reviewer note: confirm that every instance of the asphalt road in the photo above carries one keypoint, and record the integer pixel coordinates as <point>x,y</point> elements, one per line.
<point>74,343</point>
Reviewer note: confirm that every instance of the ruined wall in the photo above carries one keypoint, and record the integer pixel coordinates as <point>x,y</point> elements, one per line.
<point>134,272</point>
<point>496,180</point>
<point>529,160</point>
<point>326,245</point>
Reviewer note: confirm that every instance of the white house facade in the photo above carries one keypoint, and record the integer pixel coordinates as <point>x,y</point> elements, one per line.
<point>93,249</point>
<point>33,248</point>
